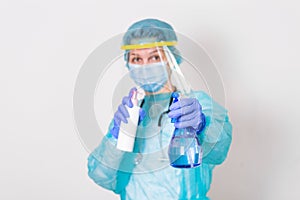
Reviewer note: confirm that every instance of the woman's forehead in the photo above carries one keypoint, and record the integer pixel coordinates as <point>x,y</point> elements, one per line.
<point>146,51</point>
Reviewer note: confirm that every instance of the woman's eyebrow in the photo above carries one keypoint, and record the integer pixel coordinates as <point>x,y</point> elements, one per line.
<point>152,52</point>
<point>134,54</point>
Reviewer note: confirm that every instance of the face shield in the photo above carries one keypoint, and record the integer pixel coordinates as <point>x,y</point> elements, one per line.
<point>153,67</point>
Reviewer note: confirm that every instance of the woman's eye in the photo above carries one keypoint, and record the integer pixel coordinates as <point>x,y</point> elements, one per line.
<point>155,58</point>
<point>135,60</point>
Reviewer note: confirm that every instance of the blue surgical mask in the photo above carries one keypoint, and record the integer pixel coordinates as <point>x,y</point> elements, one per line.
<point>151,77</point>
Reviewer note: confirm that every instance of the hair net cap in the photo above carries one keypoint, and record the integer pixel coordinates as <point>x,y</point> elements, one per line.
<point>149,31</point>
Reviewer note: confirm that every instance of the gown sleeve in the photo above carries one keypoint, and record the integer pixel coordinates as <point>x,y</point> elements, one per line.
<point>216,137</point>
<point>105,165</point>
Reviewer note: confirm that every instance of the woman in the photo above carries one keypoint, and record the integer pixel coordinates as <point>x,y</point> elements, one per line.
<point>146,173</point>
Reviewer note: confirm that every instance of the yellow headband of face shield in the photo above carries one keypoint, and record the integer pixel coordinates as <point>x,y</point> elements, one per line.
<point>148,45</point>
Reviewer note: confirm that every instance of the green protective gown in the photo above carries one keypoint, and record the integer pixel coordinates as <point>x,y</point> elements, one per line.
<point>146,173</point>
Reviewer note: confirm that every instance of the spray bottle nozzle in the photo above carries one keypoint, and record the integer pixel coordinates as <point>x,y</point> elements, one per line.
<point>175,96</point>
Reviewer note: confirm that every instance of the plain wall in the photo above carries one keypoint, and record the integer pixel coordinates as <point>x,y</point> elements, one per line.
<point>255,45</point>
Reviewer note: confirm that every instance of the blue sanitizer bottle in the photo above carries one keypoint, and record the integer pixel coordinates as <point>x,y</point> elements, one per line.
<point>184,149</point>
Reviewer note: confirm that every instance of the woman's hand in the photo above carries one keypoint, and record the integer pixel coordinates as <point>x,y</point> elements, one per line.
<point>122,114</point>
<point>188,113</point>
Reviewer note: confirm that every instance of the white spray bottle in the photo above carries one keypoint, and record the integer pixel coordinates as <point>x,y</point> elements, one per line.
<point>127,131</point>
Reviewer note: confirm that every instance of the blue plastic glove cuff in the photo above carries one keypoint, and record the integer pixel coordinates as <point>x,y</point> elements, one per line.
<point>202,124</point>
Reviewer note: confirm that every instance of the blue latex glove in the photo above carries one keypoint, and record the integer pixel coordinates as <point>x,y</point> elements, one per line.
<point>188,113</point>
<point>122,114</point>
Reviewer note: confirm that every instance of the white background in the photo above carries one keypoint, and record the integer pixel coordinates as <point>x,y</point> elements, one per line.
<point>43,44</point>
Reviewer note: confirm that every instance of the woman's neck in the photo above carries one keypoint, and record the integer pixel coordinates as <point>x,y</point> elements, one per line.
<point>168,87</point>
